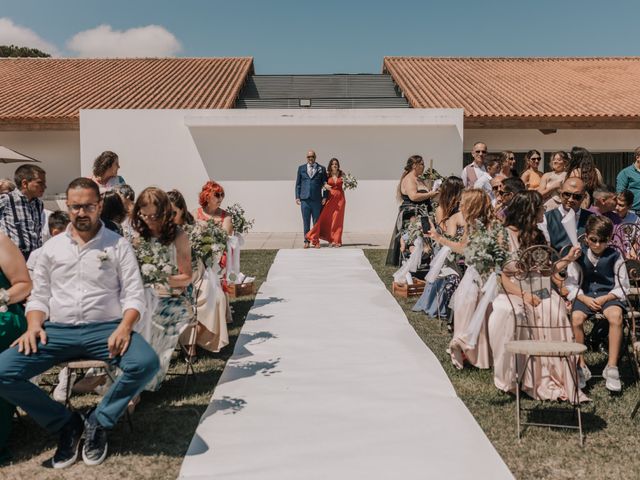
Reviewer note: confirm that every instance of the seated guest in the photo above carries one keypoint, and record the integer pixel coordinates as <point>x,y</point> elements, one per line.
<point>604,203</point>
<point>510,187</point>
<point>128,197</point>
<point>555,225</point>
<point>210,199</point>
<point>113,211</point>
<point>624,202</point>
<point>105,171</point>
<point>152,220</point>
<point>552,379</point>
<point>604,286</point>
<point>15,285</point>
<point>88,295</point>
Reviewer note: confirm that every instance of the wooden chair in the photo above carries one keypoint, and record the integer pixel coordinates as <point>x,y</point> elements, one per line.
<point>539,332</point>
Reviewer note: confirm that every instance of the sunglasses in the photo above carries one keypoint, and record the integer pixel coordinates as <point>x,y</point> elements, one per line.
<point>597,240</point>
<point>503,193</point>
<point>576,196</point>
<point>218,195</point>
<point>535,159</point>
<point>480,152</point>
<point>152,218</point>
<point>496,189</point>
<point>310,158</point>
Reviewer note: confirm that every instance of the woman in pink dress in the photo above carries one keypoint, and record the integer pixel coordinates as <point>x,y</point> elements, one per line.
<point>546,378</point>
<point>329,225</point>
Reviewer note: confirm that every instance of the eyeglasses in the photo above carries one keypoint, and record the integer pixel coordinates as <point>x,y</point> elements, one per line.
<point>495,188</point>
<point>576,196</point>
<point>480,152</point>
<point>218,195</point>
<point>152,218</point>
<point>504,193</point>
<point>597,240</point>
<point>87,207</point>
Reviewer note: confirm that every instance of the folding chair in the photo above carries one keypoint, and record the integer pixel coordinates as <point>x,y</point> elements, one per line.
<point>539,332</point>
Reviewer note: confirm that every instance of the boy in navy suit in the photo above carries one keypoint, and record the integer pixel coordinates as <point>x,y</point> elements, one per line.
<point>604,286</point>
<point>310,192</point>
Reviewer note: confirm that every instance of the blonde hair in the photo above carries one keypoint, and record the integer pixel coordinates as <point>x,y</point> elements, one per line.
<point>475,205</point>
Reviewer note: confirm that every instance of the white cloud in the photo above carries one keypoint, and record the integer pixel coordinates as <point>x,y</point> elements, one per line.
<point>103,41</point>
<point>12,34</point>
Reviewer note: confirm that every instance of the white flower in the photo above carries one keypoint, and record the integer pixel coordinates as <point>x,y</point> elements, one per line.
<point>103,257</point>
<point>147,269</point>
<point>167,269</point>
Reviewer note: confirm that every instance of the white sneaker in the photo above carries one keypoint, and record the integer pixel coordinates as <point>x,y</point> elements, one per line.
<point>584,375</point>
<point>612,377</point>
<point>60,392</point>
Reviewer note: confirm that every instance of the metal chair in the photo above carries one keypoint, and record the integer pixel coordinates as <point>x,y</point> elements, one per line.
<point>539,331</point>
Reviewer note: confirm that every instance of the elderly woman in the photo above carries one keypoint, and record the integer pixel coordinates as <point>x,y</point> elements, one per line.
<point>15,286</point>
<point>105,171</point>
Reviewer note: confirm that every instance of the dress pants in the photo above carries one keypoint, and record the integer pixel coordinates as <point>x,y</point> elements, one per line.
<point>310,209</point>
<point>70,342</point>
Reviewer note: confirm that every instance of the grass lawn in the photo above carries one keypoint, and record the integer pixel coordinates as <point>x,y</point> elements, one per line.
<point>612,440</point>
<point>164,421</point>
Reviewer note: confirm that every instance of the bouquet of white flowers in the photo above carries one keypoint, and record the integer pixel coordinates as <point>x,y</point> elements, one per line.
<point>486,249</point>
<point>240,223</point>
<point>349,182</point>
<point>208,242</point>
<point>154,261</point>
<point>414,230</point>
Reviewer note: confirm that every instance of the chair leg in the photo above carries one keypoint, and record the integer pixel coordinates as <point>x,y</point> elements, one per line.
<point>573,369</point>
<point>67,400</point>
<point>517,397</point>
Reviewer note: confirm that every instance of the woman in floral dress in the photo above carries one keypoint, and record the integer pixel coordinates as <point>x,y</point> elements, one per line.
<point>152,219</point>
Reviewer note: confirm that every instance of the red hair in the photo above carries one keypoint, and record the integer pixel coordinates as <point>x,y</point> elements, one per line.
<point>208,190</point>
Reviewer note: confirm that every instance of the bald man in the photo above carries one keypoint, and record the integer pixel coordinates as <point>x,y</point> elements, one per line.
<point>310,194</point>
<point>572,194</point>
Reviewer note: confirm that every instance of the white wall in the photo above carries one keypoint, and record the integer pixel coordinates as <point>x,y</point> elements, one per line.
<point>523,140</point>
<point>59,152</point>
<point>254,154</point>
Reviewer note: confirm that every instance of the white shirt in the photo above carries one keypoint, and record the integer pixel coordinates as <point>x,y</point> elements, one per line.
<point>620,275</point>
<point>563,213</point>
<point>479,171</point>
<point>92,283</point>
<point>484,183</point>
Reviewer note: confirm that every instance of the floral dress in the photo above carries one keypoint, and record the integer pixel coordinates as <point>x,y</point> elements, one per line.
<point>170,318</point>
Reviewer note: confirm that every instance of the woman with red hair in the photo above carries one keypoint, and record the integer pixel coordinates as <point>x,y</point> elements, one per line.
<point>210,199</point>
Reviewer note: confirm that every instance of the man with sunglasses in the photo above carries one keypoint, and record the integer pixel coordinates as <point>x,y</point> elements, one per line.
<point>572,194</point>
<point>310,192</point>
<point>472,172</point>
<point>87,296</point>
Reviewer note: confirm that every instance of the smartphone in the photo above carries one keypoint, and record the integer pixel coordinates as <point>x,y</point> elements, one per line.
<point>542,294</point>
<point>426,226</point>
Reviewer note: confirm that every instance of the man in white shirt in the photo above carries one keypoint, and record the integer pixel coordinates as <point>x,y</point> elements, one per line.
<point>472,172</point>
<point>87,296</point>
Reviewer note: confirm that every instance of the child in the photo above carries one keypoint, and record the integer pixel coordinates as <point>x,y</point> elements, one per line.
<point>604,286</point>
<point>57,224</point>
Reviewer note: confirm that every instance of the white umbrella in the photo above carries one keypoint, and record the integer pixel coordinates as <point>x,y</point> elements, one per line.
<point>11,156</point>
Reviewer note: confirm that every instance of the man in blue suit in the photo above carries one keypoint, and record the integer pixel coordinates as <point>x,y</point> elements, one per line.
<point>310,194</point>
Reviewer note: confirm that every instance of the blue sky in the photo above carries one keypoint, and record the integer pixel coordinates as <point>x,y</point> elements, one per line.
<point>330,36</point>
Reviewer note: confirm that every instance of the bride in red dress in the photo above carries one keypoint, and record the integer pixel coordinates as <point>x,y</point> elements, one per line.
<point>329,225</point>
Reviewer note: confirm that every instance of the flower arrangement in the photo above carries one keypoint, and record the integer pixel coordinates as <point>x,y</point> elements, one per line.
<point>240,223</point>
<point>486,250</point>
<point>155,262</point>
<point>208,242</point>
<point>349,182</point>
<point>414,230</point>
<point>431,174</point>
<point>4,300</point>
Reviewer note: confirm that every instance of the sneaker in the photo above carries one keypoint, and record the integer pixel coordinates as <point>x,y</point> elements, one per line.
<point>94,450</point>
<point>70,434</point>
<point>612,377</point>
<point>60,392</point>
<point>584,375</point>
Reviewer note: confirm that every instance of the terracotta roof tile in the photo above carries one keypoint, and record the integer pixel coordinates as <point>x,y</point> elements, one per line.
<point>46,89</point>
<point>568,88</point>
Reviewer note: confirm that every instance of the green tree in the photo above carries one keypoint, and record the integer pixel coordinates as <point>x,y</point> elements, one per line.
<point>15,51</point>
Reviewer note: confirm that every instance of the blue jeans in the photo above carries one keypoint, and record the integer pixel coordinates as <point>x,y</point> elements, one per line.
<point>71,342</point>
<point>310,208</point>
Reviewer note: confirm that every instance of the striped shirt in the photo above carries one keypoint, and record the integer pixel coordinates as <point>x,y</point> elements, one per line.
<point>21,220</point>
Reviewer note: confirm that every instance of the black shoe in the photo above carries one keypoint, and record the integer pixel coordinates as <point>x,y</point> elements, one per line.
<point>70,434</point>
<point>94,450</point>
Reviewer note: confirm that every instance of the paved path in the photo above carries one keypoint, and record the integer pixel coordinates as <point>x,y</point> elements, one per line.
<point>329,381</point>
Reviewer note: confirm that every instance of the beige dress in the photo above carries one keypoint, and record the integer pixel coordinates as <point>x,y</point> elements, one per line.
<point>546,378</point>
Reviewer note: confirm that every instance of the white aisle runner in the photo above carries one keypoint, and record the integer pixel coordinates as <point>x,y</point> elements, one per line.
<point>329,381</point>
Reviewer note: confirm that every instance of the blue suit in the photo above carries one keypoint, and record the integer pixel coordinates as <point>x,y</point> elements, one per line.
<point>310,193</point>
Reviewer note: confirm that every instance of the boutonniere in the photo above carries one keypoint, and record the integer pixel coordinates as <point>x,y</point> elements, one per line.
<point>103,257</point>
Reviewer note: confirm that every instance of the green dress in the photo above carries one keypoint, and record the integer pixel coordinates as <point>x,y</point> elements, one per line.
<point>12,325</point>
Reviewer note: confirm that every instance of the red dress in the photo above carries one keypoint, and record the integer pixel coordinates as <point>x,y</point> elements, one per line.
<point>329,225</point>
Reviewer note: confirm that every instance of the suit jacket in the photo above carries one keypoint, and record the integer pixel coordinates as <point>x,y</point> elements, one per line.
<point>310,188</point>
